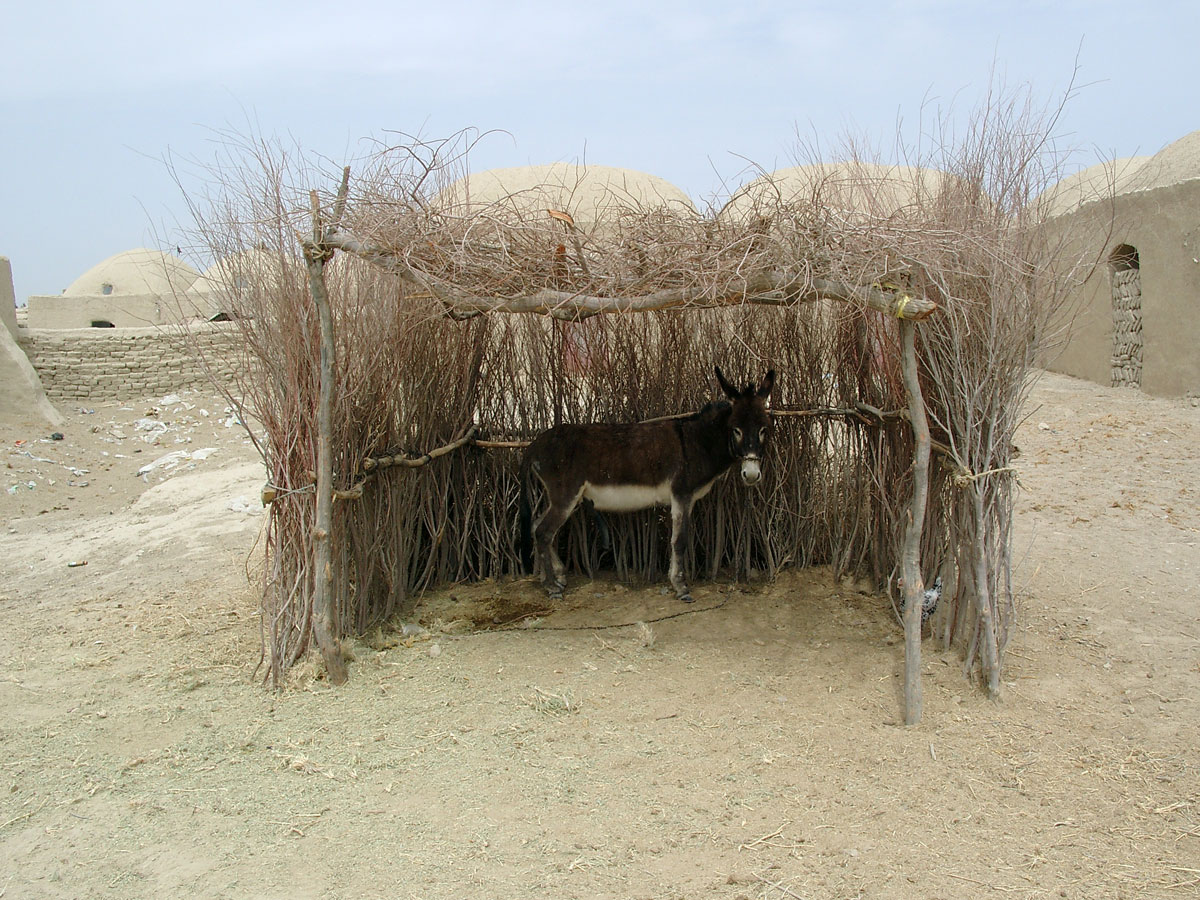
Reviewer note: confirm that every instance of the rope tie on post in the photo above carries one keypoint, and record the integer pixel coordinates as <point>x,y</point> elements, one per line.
<point>966,477</point>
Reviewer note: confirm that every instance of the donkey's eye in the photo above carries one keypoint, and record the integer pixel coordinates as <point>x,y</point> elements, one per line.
<point>737,434</point>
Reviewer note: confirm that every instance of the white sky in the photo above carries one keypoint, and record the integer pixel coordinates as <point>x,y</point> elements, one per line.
<point>93,95</point>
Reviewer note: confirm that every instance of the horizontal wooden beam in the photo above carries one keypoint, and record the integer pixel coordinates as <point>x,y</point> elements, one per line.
<point>767,287</point>
<point>375,463</point>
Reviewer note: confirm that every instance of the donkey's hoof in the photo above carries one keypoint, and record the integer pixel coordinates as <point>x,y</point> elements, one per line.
<point>687,597</point>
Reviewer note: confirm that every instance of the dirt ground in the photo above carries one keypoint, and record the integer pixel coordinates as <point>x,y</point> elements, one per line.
<point>747,749</point>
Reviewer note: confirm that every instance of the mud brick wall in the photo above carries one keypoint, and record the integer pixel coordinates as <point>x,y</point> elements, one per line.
<point>129,363</point>
<point>1127,328</point>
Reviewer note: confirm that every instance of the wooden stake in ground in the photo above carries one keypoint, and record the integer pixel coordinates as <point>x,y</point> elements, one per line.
<point>325,628</point>
<point>910,559</point>
<point>983,598</point>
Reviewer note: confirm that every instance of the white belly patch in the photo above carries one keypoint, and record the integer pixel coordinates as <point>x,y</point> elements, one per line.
<point>627,497</point>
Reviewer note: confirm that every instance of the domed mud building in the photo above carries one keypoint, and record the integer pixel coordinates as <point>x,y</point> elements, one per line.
<point>591,195</point>
<point>869,189</point>
<point>132,289</point>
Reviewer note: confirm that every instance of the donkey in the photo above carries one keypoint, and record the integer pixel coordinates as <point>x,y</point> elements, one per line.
<point>628,467</point>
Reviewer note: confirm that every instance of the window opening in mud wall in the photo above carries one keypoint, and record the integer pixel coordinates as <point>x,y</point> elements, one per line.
<point>1126,272</point>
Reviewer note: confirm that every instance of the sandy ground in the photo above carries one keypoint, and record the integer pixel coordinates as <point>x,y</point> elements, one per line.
<point>747,749</point>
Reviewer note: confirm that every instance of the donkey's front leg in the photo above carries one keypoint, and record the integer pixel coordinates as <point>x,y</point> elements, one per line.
<point>681,530</point>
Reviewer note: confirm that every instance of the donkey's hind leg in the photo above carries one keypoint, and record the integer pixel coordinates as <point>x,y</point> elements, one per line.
<point>681,531</point>
<point>546,560</point>
<point>546,539</point>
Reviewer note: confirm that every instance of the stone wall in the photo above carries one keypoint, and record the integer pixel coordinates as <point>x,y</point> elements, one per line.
<point>1127,328</point>
<point>129,363</point>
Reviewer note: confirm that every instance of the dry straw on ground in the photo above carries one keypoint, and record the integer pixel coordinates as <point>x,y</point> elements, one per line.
<point>417,365</point>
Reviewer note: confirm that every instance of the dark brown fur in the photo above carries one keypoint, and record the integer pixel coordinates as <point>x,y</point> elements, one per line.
<point>627,467</point>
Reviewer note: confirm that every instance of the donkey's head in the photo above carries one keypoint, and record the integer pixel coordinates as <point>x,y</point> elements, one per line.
<point>749,423</point>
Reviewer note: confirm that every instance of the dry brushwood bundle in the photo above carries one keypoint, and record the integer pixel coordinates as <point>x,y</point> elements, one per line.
<point>633,309</point>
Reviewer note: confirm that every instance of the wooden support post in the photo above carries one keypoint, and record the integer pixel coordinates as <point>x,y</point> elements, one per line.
<point>910,559</point>
<point>983,598</point>
<point>324,620</point>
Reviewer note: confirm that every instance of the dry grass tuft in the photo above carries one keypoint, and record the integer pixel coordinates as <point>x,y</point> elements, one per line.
<point>553,703</point>
<point>646,636</point>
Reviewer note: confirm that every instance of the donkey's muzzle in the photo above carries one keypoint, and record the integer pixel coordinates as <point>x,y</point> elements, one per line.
<point>751,471</point>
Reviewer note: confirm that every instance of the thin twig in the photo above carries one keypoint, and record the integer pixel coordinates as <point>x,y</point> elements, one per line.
<point>777,886</point>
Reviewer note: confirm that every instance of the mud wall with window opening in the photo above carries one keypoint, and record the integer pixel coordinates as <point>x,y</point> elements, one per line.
<point>1135,319</point>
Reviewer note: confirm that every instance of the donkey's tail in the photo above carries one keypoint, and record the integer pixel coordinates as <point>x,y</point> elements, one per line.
<point>525,516</point>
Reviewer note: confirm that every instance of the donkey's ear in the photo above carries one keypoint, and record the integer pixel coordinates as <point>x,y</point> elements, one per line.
<point>730,390</point>
<point>764,389</point>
